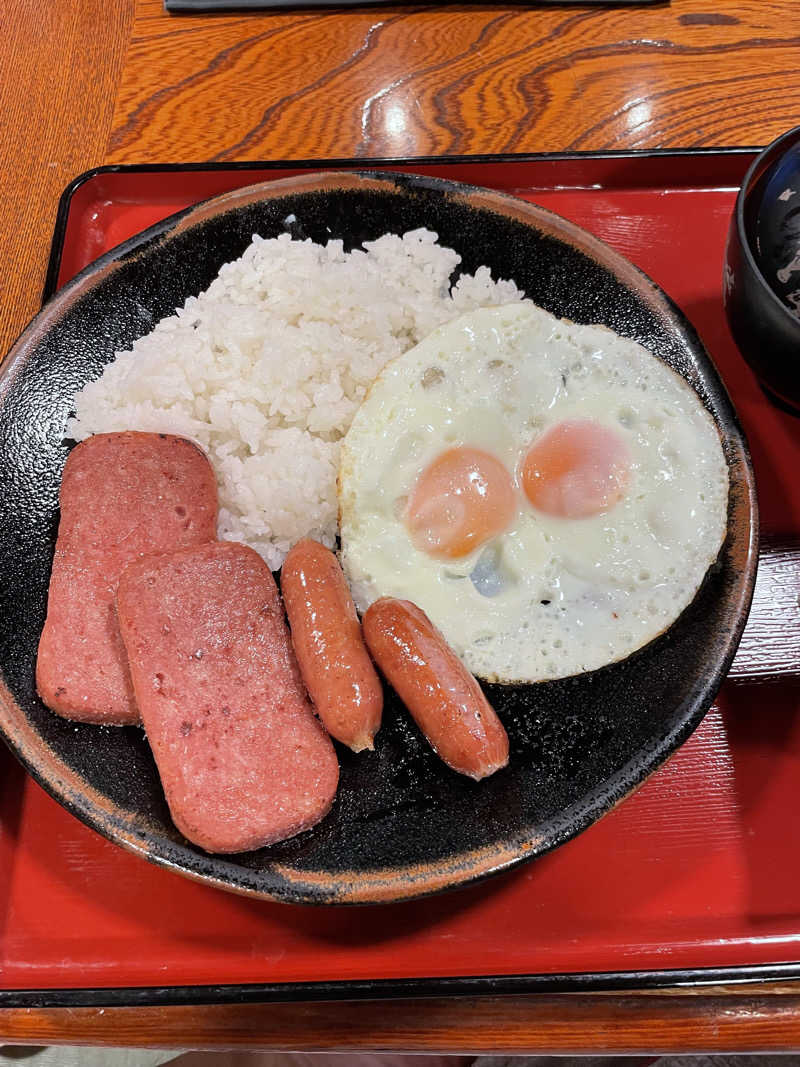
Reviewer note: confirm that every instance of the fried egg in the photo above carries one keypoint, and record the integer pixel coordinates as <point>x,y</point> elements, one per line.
<point>550,494</point>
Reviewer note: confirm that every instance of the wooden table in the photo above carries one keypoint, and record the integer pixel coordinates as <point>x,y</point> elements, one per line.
<point>91,82</point>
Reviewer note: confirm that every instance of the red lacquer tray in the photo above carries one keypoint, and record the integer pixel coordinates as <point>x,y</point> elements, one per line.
<point>696,877</point>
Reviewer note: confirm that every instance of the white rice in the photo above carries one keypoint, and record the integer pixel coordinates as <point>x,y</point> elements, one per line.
<point>266,368</point>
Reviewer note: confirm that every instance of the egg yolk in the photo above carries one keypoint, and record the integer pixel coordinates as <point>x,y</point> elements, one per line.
<point>576,469</point>
<point>463,499</point>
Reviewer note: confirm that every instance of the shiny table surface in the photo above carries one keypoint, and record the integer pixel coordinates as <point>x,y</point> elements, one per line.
<point>88,83</point>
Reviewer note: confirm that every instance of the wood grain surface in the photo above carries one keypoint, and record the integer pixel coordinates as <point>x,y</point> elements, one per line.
<point>400,81</point>
<point>719,1020</point>
<point>60,64</point>
<point>88,82</point>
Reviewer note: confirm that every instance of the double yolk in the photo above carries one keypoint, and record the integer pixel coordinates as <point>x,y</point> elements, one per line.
<point>465,497</point>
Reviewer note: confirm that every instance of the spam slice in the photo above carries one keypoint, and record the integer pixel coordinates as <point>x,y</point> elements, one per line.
<point>243,760</point>
<point>122,495</point>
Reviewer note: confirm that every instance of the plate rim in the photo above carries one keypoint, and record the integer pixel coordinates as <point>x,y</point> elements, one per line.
<point>501,856</point>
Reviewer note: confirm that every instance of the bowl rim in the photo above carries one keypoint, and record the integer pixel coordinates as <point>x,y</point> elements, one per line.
<point>754,171</point>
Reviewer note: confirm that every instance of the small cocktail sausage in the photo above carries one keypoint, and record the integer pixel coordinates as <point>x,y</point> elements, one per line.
<point>122,495</point>
<point>243,760</point>
<point>445,700</point>
<point>330,649</point>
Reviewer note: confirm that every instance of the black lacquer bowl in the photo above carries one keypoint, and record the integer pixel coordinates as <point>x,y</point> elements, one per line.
<point>403,825</point>
<point>761,280</point>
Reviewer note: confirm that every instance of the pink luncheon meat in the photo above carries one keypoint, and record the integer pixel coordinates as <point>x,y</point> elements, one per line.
<point>122,495</point>
<point>242,758</point>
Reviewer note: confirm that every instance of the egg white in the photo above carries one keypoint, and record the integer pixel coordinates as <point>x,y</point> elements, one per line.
<point>549,597</point>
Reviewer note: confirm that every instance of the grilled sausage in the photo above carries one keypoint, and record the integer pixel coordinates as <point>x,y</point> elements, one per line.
<point>122,495</point>
<point>444,699</point>
<point>243,759</point>
<point>330,649</point>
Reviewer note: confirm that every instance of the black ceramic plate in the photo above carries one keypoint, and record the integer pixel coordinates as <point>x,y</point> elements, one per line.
<point>402,825</point>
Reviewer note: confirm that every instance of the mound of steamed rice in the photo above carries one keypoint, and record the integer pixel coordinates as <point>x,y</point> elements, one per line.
<point>266,368</point>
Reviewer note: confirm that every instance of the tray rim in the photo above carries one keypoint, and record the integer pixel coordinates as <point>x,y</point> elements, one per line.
<point>382,162</point>
<point>379,988</point>
<point>354,989</point>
